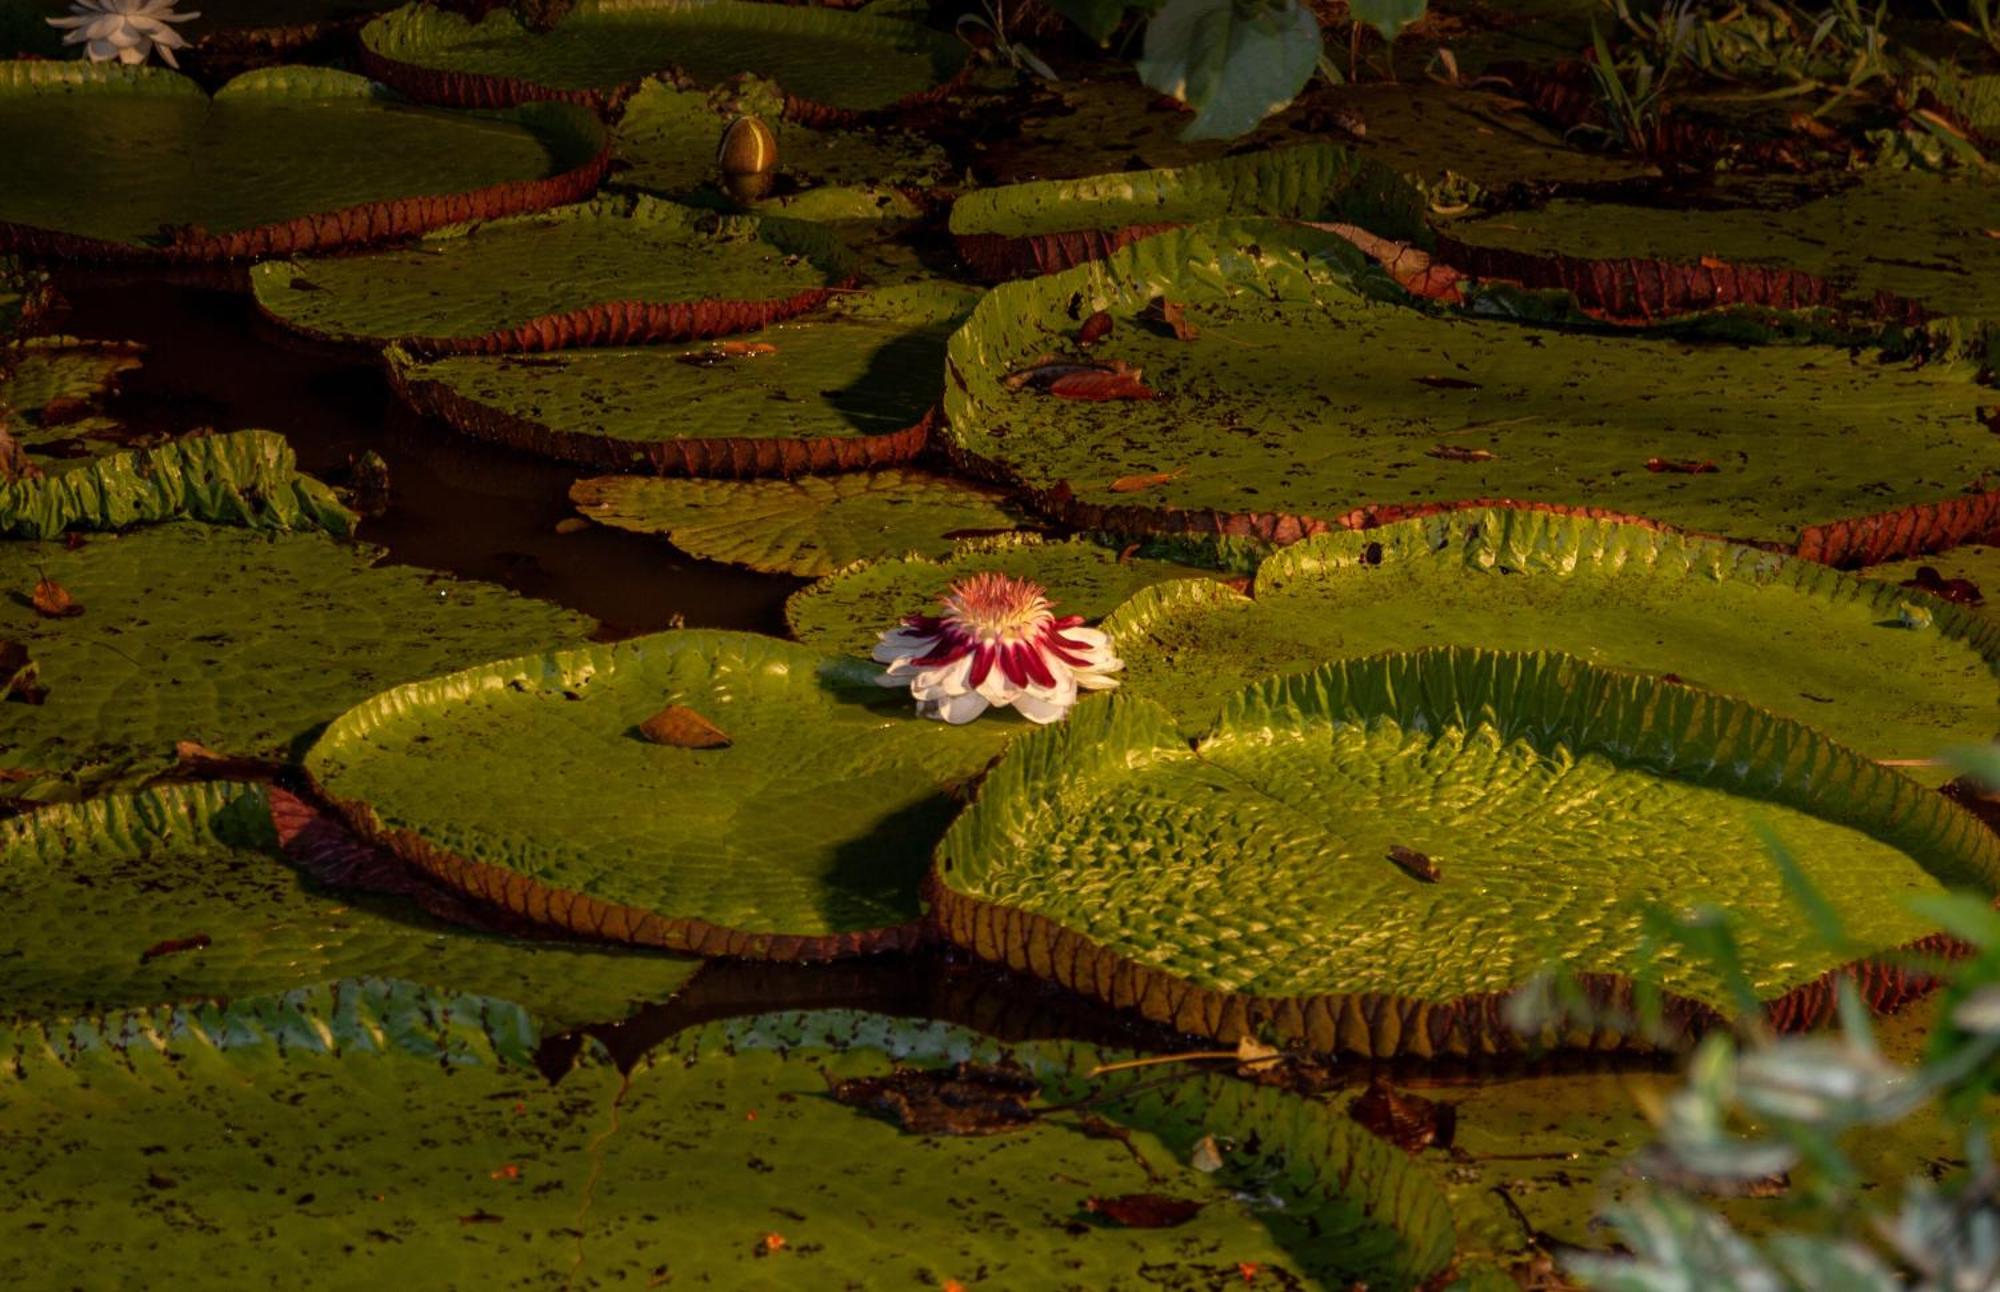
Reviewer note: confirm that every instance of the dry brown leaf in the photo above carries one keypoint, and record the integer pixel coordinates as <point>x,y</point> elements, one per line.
<point>52,600</point>
<point>1100,386</point>
<point>1133,484</point>
<point>1680,466</point>
<point>1172,315</point>
<point>1415,864</point>
<point>1453,453</point>
<point>1094,329</point>
<point>683,728</point>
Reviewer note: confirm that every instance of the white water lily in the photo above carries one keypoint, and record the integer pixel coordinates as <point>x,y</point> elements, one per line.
<point>997,644</point>
<point>125,30</point>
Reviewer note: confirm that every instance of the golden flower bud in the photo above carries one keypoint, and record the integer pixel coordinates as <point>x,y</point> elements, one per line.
<point>748,148</point>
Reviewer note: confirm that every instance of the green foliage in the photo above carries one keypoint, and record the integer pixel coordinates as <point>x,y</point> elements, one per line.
<point>1233,61</point>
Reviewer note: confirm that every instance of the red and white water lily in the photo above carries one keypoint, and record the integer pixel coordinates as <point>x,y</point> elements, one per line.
<point>125,30</point>
<point>996,644</point>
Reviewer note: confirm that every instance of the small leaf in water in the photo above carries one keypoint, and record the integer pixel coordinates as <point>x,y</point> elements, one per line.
<point>1962,592</point>
<point>572,525</point>
<point>1681,466</point>
<point>1410,1122</point>
<point>1094,329</point>
<point>1415,864</point>
<point>1100,386</point>
<point>1133,484</point>
<point>1145,1210</point>
<point>683,728</point>
<point>52,600</point>
<point>1453,453</point>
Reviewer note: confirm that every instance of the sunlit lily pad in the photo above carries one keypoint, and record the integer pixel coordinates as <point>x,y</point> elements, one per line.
<point>1909,234</point>
<point>527,783</point>
<point>239,641</point>
<point>846,610</point>
<point>830,63</point>
<point>117,163</point>
<point>608,272</point>
<point>1253,882</point>
<point>185,894</point>
<point>846,388</point>
<point>1316,395</point>
<point>811,526</point>
<point>667,140</point>
<point>133,1126</point>
<point>1056,224</point>
<point>1827,649</point>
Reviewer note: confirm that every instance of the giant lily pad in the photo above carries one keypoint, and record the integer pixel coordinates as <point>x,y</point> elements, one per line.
<point>667,140</point>
<point>852,387</point>
<point>608,272</point>
<point>834,65</point>
<point>1827,649</point>
<point>241,642</point>
<point>113,163</point>
<point>810,526</point>
<point>184,893</point>
<point>55,387</point>
<point>1909,235</point>
<point>1316,395</point>
<point>246,478</point>
<point>417,1128</point>
<point>1248,883</point>
<point>846,610</point>
<point>1057,224</point>
<point>528,783</point>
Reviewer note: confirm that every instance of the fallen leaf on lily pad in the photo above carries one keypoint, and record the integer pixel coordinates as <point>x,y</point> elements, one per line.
<point>1415,864</point>
<point>1410,1122</point>
<point>1683,466</point>
<point>964,1099</point>
<point>1094,329</point>
<point>1207,1155</point>
<point>1145,1210</point>
<point>1453,453</point>
<point>683,728</point>
<point>176,946</point>
<point>1963,592</point>
<point>1100,386</point>
<point>1133,484</point>
<point>52,600</point>
<point>1172,316</point>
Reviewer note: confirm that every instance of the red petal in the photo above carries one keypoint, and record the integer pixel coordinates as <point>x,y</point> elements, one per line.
<point>982,664</point>
<point>1010,664</point>
<point>1037,667</point>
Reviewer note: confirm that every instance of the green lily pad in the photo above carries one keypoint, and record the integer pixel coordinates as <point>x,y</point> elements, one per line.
<point>1303,1194</point>
<point>1055,224</point>
<point>415,1127</point>
<point>185,893</point>
<point>610,271</point>
<point>1318,395</point>
<point>846,610</point>
<point>360,1130</point>
<point>1909,234</point>
<point>668,138</point>
<point>831,62</point>
<point>245,478</point>
<point>1247,883</point>
<point>1827,649</point>
<point>810,526</point>
<point>111,162</point>
<point>528,784</point>
<point>242,642</point>
<point>54,387</point>
<point>852,386</point>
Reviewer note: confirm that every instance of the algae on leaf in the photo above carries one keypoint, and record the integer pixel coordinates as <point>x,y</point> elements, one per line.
<point>1827,649</point>
<point>810,526</point>
<point>131,163</point>
<point>184,893</point>
<point>528,784</point>
<point>1246,884</point>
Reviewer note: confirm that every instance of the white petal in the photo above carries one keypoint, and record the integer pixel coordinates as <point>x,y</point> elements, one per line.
<point>132,55</point>
<point>1095,681</point>
<point>167,53</point>
<point>996,688</point>
<point>1044,709</point>
<point>102,51</point>
<point>71,24</point>
<point>961,709</point>
<point>944,681</point>
<point>902,643</point>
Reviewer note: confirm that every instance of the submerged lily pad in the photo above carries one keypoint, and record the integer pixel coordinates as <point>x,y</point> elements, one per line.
<point>846,610</point>
<point>527,784</point>
<point>242,642</point>
<point>607,272</point>
<point>810,526</point>
<point>831,63</point>
<point>667,140</point>
<point>110,162</point>
<point>185,893</point>
<point>418,1122</point>
<point>245,478</point>
<point>1247,884</point>
<point>847,388</point>
<point>1907,234</point>
<point>1056,224</point>
<point>1317,395</point>
<point>54,387</point>
<point>1827,649</point>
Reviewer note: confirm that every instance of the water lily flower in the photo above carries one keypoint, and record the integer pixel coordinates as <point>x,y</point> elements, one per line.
<point>996,644</point>
<point>126,30</point>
